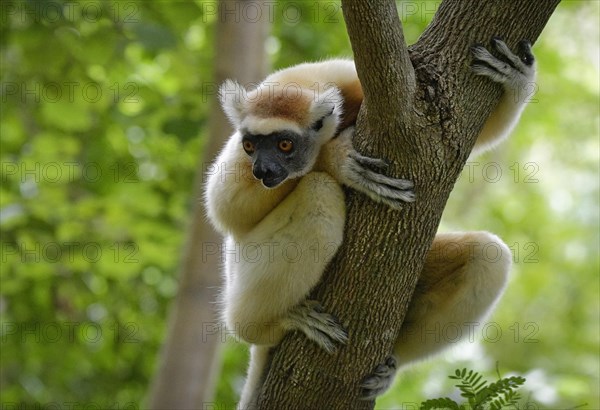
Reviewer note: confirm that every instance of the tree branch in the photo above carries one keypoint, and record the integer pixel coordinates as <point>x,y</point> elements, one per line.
<point>442,57</point>
<point>371,280</point>
<point>373,23</point>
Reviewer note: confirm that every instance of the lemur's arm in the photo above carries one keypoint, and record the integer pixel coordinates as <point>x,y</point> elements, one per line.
<point>517,74</point>
<point>464,273</point>
<point>266,293</point>
<point>279,261</point>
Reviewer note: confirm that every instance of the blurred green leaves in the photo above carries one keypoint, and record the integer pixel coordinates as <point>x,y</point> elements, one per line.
<point>101,128</point>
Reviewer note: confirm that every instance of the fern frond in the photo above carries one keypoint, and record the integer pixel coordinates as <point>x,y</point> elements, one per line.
<point>502,392</point>
<point>443,404</point>
<point>480,394</point>
<point>471,385</point>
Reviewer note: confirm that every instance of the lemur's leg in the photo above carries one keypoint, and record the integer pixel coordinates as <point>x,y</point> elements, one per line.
<point>516,72</point>
<point>322,328</point>
<point>378,382</point>
<point>257,368</point>
<point>465,274</point>
<point>463,277</point>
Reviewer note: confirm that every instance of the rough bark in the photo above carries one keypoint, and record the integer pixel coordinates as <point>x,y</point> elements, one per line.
<point>189,359</point>
<point>427,137</point>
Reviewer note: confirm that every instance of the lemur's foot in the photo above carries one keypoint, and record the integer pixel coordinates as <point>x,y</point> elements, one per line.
<point>512,70</point>
<point>379,381</point>
<point>390,191</point>
<point>319,326</point>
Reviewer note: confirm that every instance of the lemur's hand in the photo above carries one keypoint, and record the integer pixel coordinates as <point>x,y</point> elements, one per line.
<point>359,174</point>
<point>364,174</point>
<point>514,71</point>
<point>322,328</point>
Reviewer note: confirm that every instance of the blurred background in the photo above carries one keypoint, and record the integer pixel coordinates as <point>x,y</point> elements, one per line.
<point>105,120</point>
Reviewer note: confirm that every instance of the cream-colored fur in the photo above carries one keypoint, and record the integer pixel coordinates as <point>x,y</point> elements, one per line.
<point>280,258</point>
<point>463,277</point>
<point>280,240</point>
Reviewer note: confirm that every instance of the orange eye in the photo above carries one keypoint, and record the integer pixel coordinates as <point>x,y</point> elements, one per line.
<point>248,146</point>
<point>285,145</point>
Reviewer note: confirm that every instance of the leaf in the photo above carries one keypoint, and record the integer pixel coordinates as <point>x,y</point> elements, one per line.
<point>442,403</point>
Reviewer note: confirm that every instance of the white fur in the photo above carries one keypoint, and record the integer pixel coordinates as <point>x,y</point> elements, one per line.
<point>503,119</point>
<point>460,300</point>
<point>286,236</point>
<point>264,126</point>
<point>283,258</point>
<point>256,374</point>
<point>233,97</point>
<point>519,85</point>
<point>321,75</point>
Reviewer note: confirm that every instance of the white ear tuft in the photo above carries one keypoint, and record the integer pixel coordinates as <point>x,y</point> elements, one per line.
<point>232,96</point>
<point>326,102</point>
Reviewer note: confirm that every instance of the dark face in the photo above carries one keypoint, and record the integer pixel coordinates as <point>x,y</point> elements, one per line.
<point>278,156</point>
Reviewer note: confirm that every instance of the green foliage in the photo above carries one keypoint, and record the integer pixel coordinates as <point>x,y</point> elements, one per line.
<point>101,134</point>
<point>480,394</point>
<point>443,403</point>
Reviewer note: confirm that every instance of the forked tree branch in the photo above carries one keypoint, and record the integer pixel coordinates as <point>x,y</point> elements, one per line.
<point>370,282</point>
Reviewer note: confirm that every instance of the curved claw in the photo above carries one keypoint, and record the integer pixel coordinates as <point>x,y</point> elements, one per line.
<point>510,69</point>
<point>376,163</point>
<point>524,48</point>
<point>390,191</point>
<point>322,328</point>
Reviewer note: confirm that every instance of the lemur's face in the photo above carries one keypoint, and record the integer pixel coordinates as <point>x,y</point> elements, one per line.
<point>284,153</point>
<point>282,131</point>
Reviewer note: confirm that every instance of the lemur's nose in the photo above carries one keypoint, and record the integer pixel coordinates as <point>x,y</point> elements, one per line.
<point>261,171</point>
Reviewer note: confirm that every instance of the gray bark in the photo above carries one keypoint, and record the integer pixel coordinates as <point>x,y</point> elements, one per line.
<point>190,360</point>
<point>426,129</point>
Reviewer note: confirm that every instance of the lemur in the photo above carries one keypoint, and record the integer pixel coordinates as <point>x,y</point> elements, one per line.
<point>276,190</point>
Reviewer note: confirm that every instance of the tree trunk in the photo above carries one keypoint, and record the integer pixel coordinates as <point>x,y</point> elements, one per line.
<point>423,118</point>
<point>190,359</point>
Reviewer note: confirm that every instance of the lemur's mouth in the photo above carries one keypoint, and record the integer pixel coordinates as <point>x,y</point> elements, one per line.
<point>272,182</point>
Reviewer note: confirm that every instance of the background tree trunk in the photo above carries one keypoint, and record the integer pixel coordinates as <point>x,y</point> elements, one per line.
<point>427,136</point>
<point>189,359</point>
